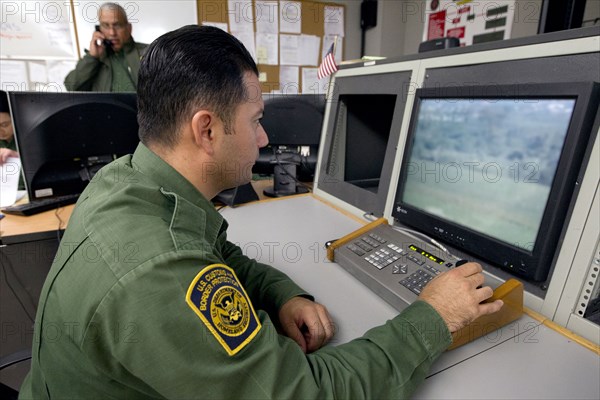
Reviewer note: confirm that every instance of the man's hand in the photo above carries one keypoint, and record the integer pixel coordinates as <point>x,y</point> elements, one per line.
<point>96,45</point>
<point>6,153</point>
<point>456,296</point>
<point>306,322</point>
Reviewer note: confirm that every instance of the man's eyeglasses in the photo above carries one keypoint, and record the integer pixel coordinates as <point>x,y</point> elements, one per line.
<point>117,27</point>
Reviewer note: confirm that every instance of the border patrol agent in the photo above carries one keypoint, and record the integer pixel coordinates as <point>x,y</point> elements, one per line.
<point>146,297</point>
<point>113,60</point>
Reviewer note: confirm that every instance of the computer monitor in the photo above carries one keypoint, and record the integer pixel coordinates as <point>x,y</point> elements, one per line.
<point>363,128</point>
<point>64,138</point>
<point>293,123</point>
<point>492,170</point>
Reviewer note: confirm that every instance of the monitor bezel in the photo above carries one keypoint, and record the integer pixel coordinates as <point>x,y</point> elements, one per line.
<point>60,101</point>
<point>329,181</point>
<point>531,264</point>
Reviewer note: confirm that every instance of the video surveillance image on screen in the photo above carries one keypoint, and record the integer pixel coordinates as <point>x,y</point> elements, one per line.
<point>487,164</point>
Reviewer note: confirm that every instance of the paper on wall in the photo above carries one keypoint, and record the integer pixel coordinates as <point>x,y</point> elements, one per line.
<point>57,71</point>
<point>241,16</point>
<point>289,79</point>
<point>37,71</point>
<point>266,14</point>
<point>290,16</point>
<point>310,83</point>
<point>14,75</point>
<point>267,50</point>
<point>333,20</point>
<point>309,50</point>
<point>288,49</point>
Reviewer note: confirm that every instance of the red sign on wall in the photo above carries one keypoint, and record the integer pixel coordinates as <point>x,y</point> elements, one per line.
<point>437,24</point>
<point>458,32</point>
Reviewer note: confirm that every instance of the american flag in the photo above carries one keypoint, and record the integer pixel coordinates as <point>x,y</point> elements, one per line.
<point>328,65</point>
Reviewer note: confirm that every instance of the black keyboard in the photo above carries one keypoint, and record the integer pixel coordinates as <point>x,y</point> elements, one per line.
<point>41,205</point>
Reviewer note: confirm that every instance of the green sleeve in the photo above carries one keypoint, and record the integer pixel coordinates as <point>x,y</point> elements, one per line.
<point>4,144</point>
<point>157,344</point>
<point>82,77</point>
<point>268,288</point>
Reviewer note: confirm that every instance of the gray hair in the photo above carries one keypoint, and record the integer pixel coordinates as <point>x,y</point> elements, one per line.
<point>113,7</point>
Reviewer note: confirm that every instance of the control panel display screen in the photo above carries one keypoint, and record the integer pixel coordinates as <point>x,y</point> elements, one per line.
<point>427,255</point>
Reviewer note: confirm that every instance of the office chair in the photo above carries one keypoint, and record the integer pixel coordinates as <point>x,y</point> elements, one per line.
<point>6,392</point>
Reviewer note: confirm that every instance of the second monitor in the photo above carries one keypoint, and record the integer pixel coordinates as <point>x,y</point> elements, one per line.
<point>293,123</point>
<point>65,138</point>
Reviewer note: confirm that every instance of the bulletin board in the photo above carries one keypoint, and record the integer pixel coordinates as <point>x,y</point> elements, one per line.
<point>312,26</point>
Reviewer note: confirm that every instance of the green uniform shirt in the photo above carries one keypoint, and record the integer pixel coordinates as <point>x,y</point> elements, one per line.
<point>122,81</point>
<point>141,302</point>
<point>5,144</point>
<point>104,74</point>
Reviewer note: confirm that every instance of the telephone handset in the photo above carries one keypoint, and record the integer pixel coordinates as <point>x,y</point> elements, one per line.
<point>107,43</point>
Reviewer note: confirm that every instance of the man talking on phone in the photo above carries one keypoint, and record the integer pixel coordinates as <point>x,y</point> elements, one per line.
<point>113,60</point>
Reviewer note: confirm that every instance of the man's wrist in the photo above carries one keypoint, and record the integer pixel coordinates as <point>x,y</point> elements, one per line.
<point>90,55</point>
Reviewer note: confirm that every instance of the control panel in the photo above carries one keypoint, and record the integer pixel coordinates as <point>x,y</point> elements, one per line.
<point>394,265</point>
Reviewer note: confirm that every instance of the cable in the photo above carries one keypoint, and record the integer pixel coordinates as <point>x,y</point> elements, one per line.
<point>369,216</point>
<point>285,172</point>
<point>60,223</point>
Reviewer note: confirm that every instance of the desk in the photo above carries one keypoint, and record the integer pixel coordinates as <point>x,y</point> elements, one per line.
<point>48,221</point>
<point>524,359</point>
<point>27,248</point>
<point>54,220</point>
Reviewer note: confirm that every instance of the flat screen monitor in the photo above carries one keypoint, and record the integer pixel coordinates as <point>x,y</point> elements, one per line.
<point>293,123</point>
<point>492,170</point>
<point>362,130</point>
<point>293,119</point>
<point>63,139</point>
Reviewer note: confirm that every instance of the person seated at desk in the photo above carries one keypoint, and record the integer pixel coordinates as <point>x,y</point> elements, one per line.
<point>148,299</point>
<point>113,60</point>
<point>8,145</point>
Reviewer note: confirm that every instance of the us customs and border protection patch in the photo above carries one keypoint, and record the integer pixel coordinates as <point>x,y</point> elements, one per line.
<point>221,302</point>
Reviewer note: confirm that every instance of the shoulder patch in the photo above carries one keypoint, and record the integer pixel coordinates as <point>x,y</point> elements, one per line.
<point>221,302</point>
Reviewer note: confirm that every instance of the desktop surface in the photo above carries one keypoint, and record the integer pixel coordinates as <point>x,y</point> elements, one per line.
<point>516,356</point>
<point>519,356</point>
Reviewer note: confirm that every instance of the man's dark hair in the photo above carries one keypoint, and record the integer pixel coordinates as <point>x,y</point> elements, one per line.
<point>187,69</point>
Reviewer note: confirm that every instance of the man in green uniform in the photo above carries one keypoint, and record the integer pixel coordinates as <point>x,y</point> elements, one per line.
<point>113,61</point>
<point>146,297</point>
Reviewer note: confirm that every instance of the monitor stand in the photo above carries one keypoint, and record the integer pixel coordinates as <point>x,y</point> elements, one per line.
<point>285,181</point>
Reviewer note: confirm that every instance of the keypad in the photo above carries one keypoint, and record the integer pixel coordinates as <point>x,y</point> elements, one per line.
<point>410,269</point>
<point>379,253</point>
<point>416,281</point>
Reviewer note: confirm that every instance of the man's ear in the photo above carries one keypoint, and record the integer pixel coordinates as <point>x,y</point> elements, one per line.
<point>203,124</point>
